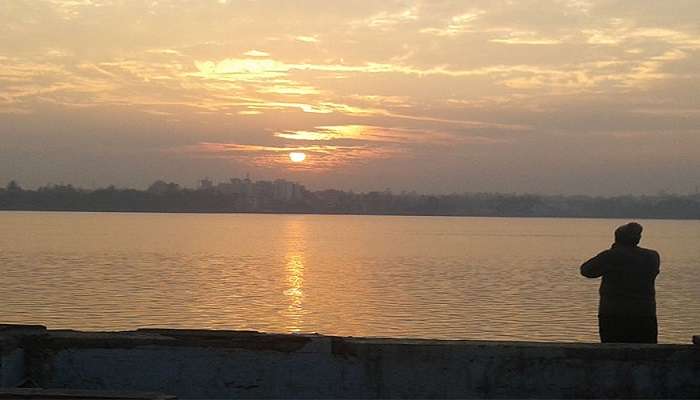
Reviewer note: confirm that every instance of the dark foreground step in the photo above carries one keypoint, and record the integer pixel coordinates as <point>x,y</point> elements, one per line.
<point>63,394</point>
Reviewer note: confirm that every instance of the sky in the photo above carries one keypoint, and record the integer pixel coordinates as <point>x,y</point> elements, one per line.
<point>551,96</point>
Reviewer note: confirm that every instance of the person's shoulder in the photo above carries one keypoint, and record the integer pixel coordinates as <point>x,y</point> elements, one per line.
<point>649,252</point>
<point>606,253</point>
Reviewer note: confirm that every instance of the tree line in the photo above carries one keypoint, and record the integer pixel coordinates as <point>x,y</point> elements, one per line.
<point>172,197</point>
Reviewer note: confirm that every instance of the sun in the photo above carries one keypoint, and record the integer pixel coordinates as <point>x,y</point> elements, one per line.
<point>297,156</point>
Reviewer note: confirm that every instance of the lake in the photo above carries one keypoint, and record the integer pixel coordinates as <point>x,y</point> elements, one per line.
<point>426,277</point>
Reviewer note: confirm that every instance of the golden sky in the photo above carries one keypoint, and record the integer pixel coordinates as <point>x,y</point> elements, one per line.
<point>549,96</point>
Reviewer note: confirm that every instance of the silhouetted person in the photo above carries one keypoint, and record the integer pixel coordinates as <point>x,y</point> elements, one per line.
<point>627,310</point>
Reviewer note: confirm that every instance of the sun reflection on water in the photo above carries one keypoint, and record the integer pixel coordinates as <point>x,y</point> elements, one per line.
<point>294,271</point>
<point>295,291</point>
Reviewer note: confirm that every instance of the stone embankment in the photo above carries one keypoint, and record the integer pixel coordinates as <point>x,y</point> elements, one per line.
<point>236,364</point>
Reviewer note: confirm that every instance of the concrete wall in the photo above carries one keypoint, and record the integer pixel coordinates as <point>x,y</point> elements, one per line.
<point>12,355</point>
<point>221,364</point>
<point>11,364</point>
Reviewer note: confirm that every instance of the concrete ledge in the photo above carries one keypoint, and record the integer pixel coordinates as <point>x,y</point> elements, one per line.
<point>56,394</point>
<point>239,364</point>
<point>12,369</point>
<point>22,329</point>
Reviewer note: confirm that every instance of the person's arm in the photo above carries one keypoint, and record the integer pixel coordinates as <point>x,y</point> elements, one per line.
<point>595,267</point>
<point>657,262</point>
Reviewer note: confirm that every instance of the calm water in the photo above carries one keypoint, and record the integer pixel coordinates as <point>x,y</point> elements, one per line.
<point>434,277</point>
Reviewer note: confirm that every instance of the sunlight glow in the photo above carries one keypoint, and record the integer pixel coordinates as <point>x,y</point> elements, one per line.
<point>297,156</point>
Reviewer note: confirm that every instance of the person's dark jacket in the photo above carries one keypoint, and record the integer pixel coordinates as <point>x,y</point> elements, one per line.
<point>627,288</point>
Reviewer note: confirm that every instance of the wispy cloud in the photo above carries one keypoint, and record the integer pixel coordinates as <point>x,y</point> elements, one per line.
<point>307,39</point>
<point>256,53</point>
<point>386,20</point>
<point>318,157</point>
<point>397,136</point>
<point>456,25</point>
<point>526,38</point>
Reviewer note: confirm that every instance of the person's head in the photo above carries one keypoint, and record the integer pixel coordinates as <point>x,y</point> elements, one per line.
<point>628,234</point>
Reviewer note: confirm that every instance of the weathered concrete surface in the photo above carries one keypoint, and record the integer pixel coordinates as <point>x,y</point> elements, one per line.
<point>72,394</point>
<point>11,363</point>
<point>12,368</point>
<point>228,364</point>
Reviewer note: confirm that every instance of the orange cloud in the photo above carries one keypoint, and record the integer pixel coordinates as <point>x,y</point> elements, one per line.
<point>319,158</point>
<point>369,133</point>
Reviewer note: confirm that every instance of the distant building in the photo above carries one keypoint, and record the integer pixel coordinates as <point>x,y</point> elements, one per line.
<point>263,189</point>
<point>286,191</point>
<point>247,186</point>
<point>279,190</point>
<point>298,192</point>
<point>206,184</point>
<point>162,187</point>
<point>237,185</point>
<point>233,186</point>
<point>13,186</point>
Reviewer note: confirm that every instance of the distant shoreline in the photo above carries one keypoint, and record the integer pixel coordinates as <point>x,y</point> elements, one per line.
<point>282,197</point>
<point>347,214</point>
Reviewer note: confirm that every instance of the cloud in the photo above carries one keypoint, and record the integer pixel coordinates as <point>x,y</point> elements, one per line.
<point>306,39</point>
<point>318,157</point>
<point>526,38</point>
<point>290,88</point>
<point>256,53</point>
<point>386,20</point>
<point>389,135</point>
<point>458,24</point>
<point>619,32</point>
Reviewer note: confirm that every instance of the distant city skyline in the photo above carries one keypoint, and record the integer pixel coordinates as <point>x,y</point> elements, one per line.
<point>551,96</point>
<point>196,182</point>
<point>281,196</point>
<point>232,185</point>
